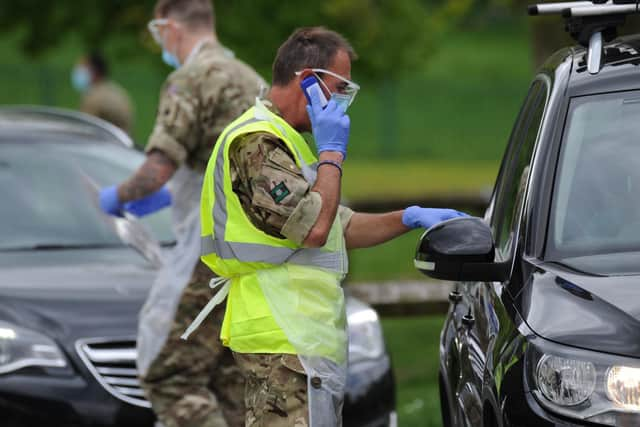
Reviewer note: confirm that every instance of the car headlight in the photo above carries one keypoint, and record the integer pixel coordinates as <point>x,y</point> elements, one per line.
<point>20,348</point>
<point>365,334</point>
<point>566,382</point>
<point>586,385</point>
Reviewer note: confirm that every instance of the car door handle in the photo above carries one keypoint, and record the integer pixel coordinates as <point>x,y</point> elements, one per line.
<point>468,320</point>
<point>455,297</point>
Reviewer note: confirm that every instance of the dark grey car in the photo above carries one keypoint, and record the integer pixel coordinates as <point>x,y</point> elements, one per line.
<point>70,289</point>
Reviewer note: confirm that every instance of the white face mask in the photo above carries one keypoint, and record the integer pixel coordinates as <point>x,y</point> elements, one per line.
<point>344,98</point>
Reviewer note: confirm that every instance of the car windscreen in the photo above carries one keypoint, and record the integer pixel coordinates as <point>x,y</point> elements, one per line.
<point>48,193</point>
<point>595,214</point>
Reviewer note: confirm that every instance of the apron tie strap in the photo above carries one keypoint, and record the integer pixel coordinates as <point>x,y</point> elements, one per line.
<point>216,282</point>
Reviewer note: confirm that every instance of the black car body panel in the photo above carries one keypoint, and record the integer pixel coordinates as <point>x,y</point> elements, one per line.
<point>573,306</point>
<point>591,312</point>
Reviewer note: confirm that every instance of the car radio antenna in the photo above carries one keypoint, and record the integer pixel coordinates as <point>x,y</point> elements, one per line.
<point>590,23</point>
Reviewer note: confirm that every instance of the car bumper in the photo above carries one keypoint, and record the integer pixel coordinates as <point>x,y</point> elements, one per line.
<point>32,400</point>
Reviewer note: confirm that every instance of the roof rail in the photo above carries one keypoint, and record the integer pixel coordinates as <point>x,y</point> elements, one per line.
<point>590,23</point>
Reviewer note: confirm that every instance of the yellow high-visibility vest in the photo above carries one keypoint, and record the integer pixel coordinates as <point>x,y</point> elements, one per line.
<point>282,298</point>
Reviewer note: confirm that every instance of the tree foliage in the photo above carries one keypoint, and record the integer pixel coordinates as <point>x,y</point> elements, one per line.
<point>390,36</point>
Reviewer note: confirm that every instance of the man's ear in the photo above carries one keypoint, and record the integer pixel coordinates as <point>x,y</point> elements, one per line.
<point>305,73</point>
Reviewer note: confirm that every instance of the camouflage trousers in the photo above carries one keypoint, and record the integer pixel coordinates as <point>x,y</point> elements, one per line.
<point>196,383</point>
<point>276,390</point>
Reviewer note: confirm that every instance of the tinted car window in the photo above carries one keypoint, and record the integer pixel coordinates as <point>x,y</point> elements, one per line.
<point>49,193</point>
<point>516,165</point>
<point>596,203</point>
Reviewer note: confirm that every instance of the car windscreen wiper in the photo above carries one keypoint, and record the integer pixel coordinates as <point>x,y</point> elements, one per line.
<point>62,246</point>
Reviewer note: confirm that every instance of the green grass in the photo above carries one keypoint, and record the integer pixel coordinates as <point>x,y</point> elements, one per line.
<point>413,344</point>
<point>407,179</point>
<point>391,261</point>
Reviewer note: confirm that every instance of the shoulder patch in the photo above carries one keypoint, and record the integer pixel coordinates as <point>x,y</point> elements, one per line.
<point>279,192</point>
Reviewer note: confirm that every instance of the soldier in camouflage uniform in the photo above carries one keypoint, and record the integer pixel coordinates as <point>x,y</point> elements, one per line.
<point>102,97</point>
<point>194,382</point>
<point>283,202</point>
<point>258,162</point>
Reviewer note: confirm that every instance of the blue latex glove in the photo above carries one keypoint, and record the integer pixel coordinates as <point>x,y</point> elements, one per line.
<point>109,201</point>
<point>150,204</point>
<point>330,125</point>
<point>415,216</point>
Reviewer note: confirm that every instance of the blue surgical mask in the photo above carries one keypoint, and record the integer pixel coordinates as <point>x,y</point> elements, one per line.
<point>170,59</point>
<point>342,99</point>
<point>80,78</point>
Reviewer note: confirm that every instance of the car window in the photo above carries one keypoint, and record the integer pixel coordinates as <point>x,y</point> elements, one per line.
<point>49,193</point>
<point>515,170</point>
<point>595,208</point>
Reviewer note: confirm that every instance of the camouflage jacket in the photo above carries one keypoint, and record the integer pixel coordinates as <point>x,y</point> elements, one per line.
<point>199,100</point>
<point>110,102</point>
<point>272,190</point>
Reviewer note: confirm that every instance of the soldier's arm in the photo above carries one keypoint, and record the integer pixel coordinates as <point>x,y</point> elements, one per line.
<point>272,189</point>
<point>156,171</point>
<point>174,135</point>
<point>327,185</point>
<point>366,230</point>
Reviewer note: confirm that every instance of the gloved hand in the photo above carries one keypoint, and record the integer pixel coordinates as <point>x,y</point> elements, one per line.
<point>150,204</point>
<point>109,201</point>
<point>415,216</point>
<point>330,125</point>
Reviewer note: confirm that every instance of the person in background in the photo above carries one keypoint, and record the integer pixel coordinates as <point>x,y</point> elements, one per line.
<point>194,383</point>
<point>101,97</point>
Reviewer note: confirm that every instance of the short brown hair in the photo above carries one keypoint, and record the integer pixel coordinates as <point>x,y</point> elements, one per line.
<point>310,47</point>
<point>195,13</point>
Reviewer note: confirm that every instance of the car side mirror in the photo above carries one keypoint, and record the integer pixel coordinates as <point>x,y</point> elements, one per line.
<point>461,249</point>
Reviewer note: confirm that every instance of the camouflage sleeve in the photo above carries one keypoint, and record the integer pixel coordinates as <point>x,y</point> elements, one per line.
<point>176,127</point>
<point>271,187</point>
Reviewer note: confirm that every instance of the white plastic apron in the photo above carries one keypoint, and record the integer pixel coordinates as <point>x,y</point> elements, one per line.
<point>309,329</point>
<point>160,307</point>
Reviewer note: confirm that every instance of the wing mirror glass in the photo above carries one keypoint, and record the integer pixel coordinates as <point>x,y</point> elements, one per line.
<point>460,249</point>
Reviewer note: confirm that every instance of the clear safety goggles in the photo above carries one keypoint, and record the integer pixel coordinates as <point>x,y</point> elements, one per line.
<point>154,27</point>
<point>347,87</point>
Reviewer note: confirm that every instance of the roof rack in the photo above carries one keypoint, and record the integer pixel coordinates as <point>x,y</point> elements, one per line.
<point>590,23</point>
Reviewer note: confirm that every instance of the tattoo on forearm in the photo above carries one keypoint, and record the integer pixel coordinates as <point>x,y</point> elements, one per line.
<point>150,177</point>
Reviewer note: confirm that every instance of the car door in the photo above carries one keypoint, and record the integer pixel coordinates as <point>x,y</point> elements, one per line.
<point>485,318</point>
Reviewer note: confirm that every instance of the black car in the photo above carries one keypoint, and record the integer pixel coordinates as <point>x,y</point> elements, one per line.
<point>544,322</point>
<point>71,290</point>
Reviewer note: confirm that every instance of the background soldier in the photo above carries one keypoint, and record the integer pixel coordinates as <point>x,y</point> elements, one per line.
<point>101,97</point>
<point>209,88</point>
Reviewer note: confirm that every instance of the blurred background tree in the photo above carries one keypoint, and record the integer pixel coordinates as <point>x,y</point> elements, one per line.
<point>390,36</point>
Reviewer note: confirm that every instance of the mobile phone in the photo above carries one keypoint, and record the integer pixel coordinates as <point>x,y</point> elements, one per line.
<point>311,84</point>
